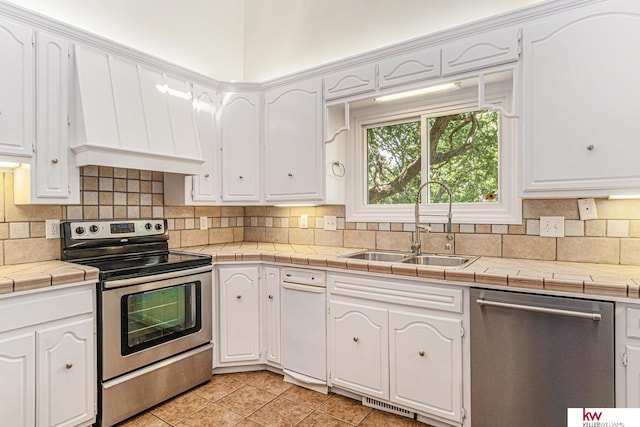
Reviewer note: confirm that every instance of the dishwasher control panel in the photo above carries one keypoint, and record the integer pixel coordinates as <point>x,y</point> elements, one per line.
<point>302,276</point>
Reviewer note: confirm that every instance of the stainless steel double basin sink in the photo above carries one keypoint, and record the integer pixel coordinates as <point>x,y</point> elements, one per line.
<point>446,261</point>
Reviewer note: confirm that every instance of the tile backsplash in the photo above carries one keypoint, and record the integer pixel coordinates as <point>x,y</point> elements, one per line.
<point>114,193</point>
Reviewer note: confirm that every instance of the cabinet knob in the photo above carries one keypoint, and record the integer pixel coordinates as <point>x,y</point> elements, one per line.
<point>206,175</point>
<point>69,365</point>
<point>54,161</point>
<point>591,147</point>
<point>239,296</point>
<point>356,339</point>
<point>270,296</point>
<point>421,353</point>
<point>241,177</point>
<point>290,174</point>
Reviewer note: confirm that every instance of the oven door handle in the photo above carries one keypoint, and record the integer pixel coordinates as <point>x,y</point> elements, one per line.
<point>112,284</point>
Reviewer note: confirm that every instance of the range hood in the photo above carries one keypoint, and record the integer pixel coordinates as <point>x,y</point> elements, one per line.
<point>132,116</point>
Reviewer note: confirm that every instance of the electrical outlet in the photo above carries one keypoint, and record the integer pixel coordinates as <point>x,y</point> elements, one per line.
<point>330,223</point>
<point>52,228</point>
<point>587,209</point>
<point>304,221</point>
<point>203,223</point>
<point>552,226</point>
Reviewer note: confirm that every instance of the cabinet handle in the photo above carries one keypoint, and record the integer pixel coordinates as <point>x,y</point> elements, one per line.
<point>239,296</point>
<point>69,365</point>
<point>206,175</point>
<point>241,177</point>
<point>421,353</point>
<point>591,147</point>
<point>290,174</point>
<point>54,161</point>
<point>356,339</point>
<point>270,296</point>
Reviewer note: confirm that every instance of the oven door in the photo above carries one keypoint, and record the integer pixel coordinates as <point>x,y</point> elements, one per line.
<point>150,318</point>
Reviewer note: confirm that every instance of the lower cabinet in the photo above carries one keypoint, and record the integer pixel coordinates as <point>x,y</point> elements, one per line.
<point>248,321</point>
<point>388,341</point>
<point>47,358</point>
<point>627,365</point>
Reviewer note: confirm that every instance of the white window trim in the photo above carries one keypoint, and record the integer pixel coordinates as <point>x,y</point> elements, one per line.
<point>508,208</point>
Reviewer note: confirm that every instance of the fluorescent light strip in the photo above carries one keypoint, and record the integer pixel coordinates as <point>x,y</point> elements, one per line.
<point>416,92</point>
<point>624,197</point>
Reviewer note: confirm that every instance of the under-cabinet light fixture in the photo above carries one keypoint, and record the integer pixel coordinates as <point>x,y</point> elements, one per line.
<point>8,166</point>
<point>624,197</point>
<point>425,90</point>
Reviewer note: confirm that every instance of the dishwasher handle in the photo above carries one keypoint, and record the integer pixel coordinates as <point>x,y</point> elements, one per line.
<point>304,288</point>
<point>567,313</point>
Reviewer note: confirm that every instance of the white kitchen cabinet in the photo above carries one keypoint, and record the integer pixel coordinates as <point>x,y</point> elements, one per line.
<point>425,358</point>
<point>294,152</point>
<point>47,357</point>
<point>579,102</point>
<point>239,314</point>
<point>359,358</point>
<point>627,367</point>
<point>17,84</point>
<point>483,50</point>
<point>270,297</point>
<point>65,373</point>
<point>351,82</point>
<point>240,140</point>
<point>409,68</point>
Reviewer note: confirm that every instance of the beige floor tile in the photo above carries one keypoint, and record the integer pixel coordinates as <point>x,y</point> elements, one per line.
<point>318,419</point>
<point>145,419</point>
<point>280,412</point>
<point>246,400</point>
<point>378,418</point>
<point>345,409</point>
<point>219,387</point>
<point>212,416</point>
<point>179,408</point>
<point>247,423</point>
<point>270,382</point>
<point>305,397</point>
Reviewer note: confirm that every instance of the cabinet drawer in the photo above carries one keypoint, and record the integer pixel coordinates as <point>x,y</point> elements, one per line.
<point>422,295</point>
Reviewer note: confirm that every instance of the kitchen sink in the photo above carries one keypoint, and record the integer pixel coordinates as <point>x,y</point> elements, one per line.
<point>379,256</point>
<point>440,260</point>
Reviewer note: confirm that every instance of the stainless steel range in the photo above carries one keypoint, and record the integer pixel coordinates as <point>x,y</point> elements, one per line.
<point>154,313</point>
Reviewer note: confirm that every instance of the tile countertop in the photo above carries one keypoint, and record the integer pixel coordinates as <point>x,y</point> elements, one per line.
<point>618,281</point>
<point>23,277</point>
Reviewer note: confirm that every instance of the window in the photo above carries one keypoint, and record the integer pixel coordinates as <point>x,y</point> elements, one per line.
<point>444,138</point>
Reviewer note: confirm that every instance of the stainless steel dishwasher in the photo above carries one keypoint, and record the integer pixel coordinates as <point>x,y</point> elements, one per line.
<point>534,356</point>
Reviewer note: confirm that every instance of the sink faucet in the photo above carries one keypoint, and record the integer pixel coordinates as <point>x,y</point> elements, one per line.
<point>416,245</point>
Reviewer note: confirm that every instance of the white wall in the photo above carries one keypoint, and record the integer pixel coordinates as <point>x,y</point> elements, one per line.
<point>204,36</point>
<point>282,36</point>
<point>256,40</point>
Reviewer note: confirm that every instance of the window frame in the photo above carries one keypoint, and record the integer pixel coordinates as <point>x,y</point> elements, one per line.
<point>506,210</point>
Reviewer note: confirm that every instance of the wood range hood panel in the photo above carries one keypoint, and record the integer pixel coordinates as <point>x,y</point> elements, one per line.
<point>132,116</point>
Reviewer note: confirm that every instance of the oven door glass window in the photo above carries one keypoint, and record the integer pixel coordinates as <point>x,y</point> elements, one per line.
<point>160,315</point>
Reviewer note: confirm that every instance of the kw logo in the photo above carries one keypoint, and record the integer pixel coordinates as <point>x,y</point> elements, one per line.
<point>590,416</point>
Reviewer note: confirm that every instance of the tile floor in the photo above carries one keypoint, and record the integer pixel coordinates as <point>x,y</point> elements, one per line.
<point>262,398</point>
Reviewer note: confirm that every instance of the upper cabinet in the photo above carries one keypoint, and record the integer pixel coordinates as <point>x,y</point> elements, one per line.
<point>409,68</point>
<point>134,116</point>
<point>294,152</point>
<point>17,102</point>
<point>480,51</point>
<point>580,102</point>
<point>351,82</point>
<point>240,137</point>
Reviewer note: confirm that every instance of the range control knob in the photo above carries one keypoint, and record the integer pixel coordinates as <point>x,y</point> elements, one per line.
<point>93,228</point>
<point>79,230</point>
<point>148,226</point>
<point>158,227</point>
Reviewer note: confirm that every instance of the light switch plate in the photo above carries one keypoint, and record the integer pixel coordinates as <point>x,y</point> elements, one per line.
<point>304,221</point>
<point>52,228</point>
<point>552,226</point>
<point>330,222</point>
<point>587,209</point>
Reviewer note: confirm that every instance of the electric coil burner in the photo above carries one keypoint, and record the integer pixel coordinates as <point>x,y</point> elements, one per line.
<point>154,313</point>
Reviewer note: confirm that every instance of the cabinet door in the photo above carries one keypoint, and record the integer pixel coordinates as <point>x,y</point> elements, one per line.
<point>240,130</point>
<point>205,183</point>
<point>359,358</point>
<point>425,356</point>
<point>18,370</point>
<point>294,163</point>
<point>579,101</point>
<point>351,82</point>
<point>17,114</point>
<point>409,68</point>
<point>66,374</point>
<point>481,51</point>
<point>239,314</point>
<point>271,304</point>
<point>633,376</point>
